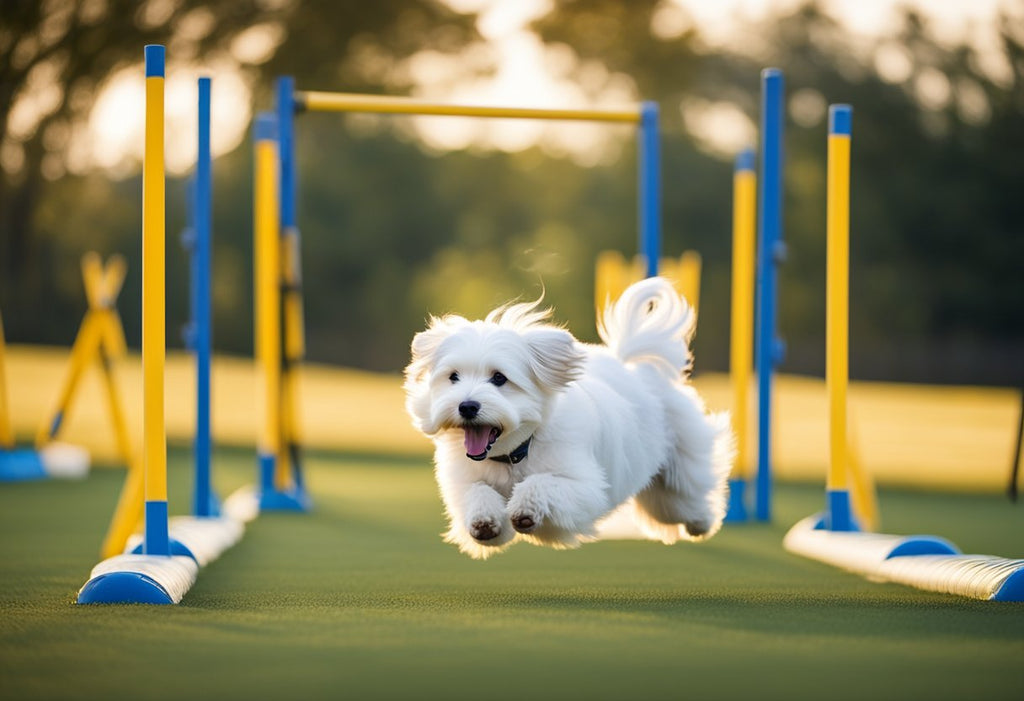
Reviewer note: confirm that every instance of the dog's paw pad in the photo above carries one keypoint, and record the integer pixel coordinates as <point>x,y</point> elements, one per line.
<point>696,529</point>
<point>524,523</point>
<point>484,529</point>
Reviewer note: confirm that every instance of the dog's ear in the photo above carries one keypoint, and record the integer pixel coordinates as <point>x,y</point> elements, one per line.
<point>555,357</point>
<point>425,345</point>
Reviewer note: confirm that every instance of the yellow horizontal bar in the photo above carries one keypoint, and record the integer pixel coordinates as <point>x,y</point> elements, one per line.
<point>384,104</point>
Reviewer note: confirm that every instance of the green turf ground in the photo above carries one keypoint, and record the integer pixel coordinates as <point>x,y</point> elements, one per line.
<point>360,599</point>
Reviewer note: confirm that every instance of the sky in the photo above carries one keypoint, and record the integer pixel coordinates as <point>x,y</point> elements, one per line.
<point>524,67</point>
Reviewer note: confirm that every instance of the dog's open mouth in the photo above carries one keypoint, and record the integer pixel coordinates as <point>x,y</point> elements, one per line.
<point>479,439</point>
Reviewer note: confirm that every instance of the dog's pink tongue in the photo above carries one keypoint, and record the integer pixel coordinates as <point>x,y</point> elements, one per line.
<point>478,439</point>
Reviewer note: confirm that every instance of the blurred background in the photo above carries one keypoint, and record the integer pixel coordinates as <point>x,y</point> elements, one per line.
<point>402,217</point>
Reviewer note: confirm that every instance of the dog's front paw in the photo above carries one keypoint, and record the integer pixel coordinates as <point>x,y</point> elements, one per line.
<point>484,528</point>
<point>525,522</point>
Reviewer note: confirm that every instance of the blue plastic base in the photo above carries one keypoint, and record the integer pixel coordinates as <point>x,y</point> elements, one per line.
<point>923,545</point>
<point>838,513</point>
<point>737,512</point>
<point>272,499</point>
<point>21,466</point>
<point>294,500</point>
<point>176,548</point>
<point>123,588</point>
<point>212,509</point>
<point>1012,589</point>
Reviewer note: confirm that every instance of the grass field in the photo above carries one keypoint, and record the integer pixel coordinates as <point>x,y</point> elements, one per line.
<point>361,599</point>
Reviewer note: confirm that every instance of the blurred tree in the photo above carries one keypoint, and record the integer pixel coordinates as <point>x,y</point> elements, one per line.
<point>937,233</point>
<point>56,54</point>
<point>393,230</point>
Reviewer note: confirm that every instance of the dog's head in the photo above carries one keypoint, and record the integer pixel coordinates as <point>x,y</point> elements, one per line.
<point>490,378</point>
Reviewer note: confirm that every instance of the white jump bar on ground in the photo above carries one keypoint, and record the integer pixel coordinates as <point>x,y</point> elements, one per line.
<point>899,559</point>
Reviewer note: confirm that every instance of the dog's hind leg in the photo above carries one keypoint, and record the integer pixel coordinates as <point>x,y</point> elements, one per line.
<point>691,488</point>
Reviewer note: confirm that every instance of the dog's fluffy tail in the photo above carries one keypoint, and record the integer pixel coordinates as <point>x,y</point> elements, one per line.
<point>651,323</point>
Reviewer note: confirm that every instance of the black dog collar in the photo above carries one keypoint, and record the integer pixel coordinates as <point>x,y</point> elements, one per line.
<point>516,456</point>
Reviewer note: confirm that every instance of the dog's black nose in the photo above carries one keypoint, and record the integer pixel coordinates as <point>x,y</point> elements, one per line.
<point>469,409</point>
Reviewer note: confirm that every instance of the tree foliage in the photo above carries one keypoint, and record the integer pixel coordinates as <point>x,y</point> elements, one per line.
<point>393,231</point>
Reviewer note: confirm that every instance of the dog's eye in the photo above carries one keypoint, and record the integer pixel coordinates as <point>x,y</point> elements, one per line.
<point>497,379</point>
<point>454,377</point>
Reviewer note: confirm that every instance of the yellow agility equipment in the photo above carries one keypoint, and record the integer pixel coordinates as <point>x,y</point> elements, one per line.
<point>835,537</point>
<point>6,432</point>
<point>382,104</point>
<point>100,340</point>
<point>267,276</point>
<point>154,436</point>
<point>741,340</point>
<point>613,274</point>
<point>837,305</point>
<point>22,464</point>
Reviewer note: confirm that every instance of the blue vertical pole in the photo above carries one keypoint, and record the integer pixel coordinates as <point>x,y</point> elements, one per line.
<point>649,173</point>
<point>201,302</point>
<point>769,254</point>
<point>286,109</point>
<point>286,144</point>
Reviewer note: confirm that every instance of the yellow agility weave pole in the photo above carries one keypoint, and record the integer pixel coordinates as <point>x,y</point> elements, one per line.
<point>267,276</point>
<point>383,104</point>
<point>741,344</point>
<point>101,340</point>
<point>837,325</point>
<point>6,433</point>
<point>154,436</point>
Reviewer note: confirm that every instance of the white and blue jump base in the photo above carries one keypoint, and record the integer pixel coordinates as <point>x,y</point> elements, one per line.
<point>53,461</point>
<point>140,578</point>
<point>921,561</point>
<point>161,564</point>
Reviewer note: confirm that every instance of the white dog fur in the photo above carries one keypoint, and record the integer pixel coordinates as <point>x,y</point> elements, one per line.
<point>590,428</point>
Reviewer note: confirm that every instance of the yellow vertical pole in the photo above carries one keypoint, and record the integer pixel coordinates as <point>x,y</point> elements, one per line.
<point>689,268</point>
<point>607,271</point>
<point>6,434</point>
<point>741,346</point>
<point>85,347</point>
<point>267,276</point>
<point>837,313</point>
<point>154,435</point>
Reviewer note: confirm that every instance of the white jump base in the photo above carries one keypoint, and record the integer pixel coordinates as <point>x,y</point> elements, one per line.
<point>202,539</point>
<point>243,504</point>
<point>925,562</point>
<point>135,578</point>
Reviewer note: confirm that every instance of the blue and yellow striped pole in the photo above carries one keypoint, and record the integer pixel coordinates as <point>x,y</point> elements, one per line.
<point>741,345</point>
<point>840,117</point>
<point>154,435</point>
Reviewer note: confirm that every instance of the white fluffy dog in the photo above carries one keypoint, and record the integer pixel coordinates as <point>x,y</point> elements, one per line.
<point>539,436</point>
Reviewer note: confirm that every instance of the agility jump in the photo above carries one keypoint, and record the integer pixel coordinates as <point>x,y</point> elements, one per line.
<point>278,266</point>
<point>165,563</point>
<point>836,536</point>
<point>644,116</point>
